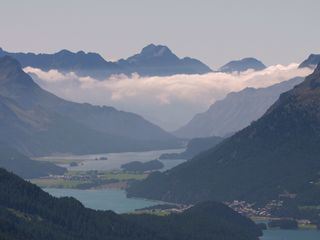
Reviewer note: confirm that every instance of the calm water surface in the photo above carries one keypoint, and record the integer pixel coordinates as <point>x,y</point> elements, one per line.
<point>104,199</point>
<point>110,199</point>
<point>115,160</point>
<point>278,234</point>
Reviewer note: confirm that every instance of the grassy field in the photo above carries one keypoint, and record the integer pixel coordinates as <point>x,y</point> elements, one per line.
<point>307,226</point>
<point>123,176</point>
<point>58,183</point>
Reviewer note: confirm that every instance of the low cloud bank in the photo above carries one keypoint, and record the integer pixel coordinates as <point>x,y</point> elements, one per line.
<point>167,101</point>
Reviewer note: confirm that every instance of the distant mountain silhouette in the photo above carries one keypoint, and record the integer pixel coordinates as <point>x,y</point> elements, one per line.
<point>66,61</point>
<point>160,61</point>
<point>235,112</point>
<point>242,65</point>
<point>311,62</point>
<point>151,61</point>
<point>37,122</point>
<point>276,154</point>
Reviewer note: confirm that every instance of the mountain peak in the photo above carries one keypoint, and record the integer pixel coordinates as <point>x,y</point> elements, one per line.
<point>64,52</point>
<point>11,73</point>
<point>153,50</point>
<point>242,65</point>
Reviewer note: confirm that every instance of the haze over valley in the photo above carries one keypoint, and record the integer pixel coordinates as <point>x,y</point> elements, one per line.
<point>158,120</point>
<point>180,96</point>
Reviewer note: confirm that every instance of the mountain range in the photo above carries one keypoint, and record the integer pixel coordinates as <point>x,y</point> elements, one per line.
<point>160,61</point>
<point>36,122</point>
<point>27,212</point>
<point>235,112</point>
<point>153,60</point>
<point>242,65</point>
<point>279,153</point>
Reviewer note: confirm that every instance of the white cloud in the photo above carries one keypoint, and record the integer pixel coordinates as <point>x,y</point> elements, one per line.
<point>168,101</point>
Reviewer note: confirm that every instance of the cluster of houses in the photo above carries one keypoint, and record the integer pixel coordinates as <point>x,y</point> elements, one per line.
<point>249,210</point>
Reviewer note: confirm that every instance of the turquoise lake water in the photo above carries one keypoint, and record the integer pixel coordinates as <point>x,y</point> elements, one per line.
<point>278,234</point>
<point>104,199</point>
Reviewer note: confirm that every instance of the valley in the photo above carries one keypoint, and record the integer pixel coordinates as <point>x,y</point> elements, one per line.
<point>106,190</point>
<point>159,120</point>
<point>101,171</point>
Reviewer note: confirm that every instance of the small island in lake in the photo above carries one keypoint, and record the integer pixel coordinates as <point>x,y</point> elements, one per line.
<point>137,166</point>
<point>101,158</point>
<point>73,164</point>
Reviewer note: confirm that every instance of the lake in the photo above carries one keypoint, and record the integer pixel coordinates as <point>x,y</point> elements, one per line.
<point>278,234</point>
<point>115,160</point>
<point>110,199</point>
<point>104,199</point>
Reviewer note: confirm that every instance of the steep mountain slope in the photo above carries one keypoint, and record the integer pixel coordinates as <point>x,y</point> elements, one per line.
<point>21,165</point>
<point>311,62</point>
<point>152,61</point>
<point>160,61</point>
<point>278,153</point>
<point>38,122</point>
<point>242,65</point>
<point>236,111</point>
<point>27,212</point>
<point>37,131</point>
<point>194,147</point>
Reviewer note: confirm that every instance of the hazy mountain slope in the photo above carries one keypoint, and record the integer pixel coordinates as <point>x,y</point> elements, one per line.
<point>39,122</point>
<point>151,61</point>
<point>279,152</point>
<point>194,147</point>
<point>115,122</point>
<point>236,111</point>
<point>311,62</point>
<point>27,212</point>
<point>38,131</point>
<point>242,65</point>
<point>21,165</point>
<point>158,60</point>
<point>17,85</point>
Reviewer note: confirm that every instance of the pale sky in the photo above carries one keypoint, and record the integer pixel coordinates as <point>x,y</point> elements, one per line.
<point>213,31</point>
